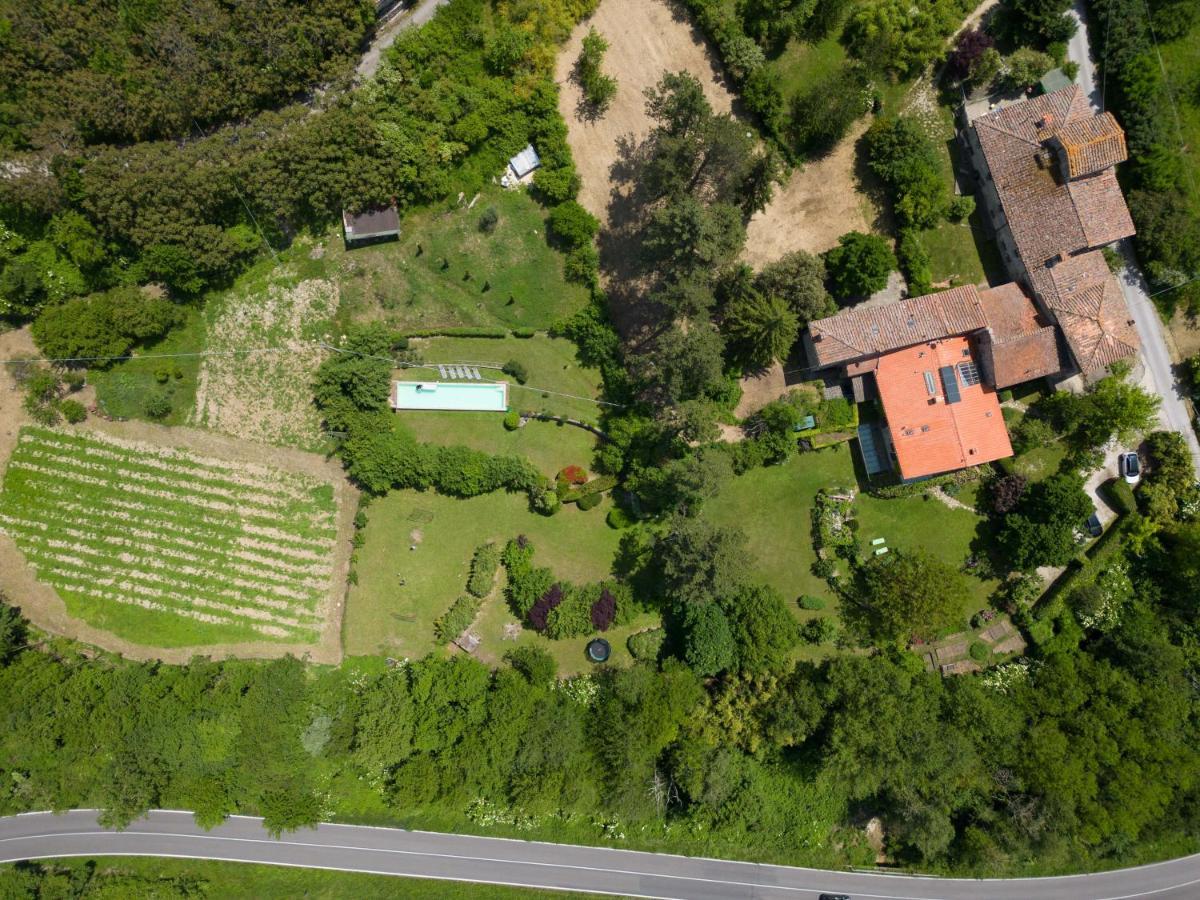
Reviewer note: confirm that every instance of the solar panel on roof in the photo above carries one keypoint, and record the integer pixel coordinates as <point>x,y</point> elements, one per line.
<point>969,374</point>
<point>949,384</point>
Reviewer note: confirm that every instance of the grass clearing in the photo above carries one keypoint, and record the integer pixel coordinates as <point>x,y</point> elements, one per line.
<point>401,591</point>
<point>123,390</point>
<point>266,396</point>
<point>773,506</point>
<point>446,272</point>
<point>168,548</point>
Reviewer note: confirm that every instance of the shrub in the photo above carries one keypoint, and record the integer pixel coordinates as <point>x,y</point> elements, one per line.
<point>1007,492</point>
<point>961,207</point>
<point>604,610</point>
<point>617,519</point>
<point>483,569</point>
<point>73,411</point>
<point>904,157</point>
<point>808,601</point>
<point>512,420</point>
<point>914,260</point>
<point>549,601</point>
<point>647,645</point>
<point>571,225</point>
<point>582,265</point>
<point>517,370</point>
<point>489,220</point>
<point>979,651</point>
<point>157,405</point>
<point>598,88</point>
<point>547,502</point>
<point>819,631</point>
<point>162,375</point>
<point>524,332</point>
<point>457,618</point>
<point>589,501</point>
<point>74,379</point>
<point>573,475</point>
<point>1121,495</point>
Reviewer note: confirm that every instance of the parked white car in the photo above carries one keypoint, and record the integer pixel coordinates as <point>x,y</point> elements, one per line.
<point>1129,467</point>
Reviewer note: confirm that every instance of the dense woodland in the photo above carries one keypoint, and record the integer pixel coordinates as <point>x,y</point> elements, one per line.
<point>1083,755</point>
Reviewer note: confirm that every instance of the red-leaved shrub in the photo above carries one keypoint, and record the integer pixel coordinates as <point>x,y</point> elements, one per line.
<point>604,610</point>
<point>540,610</point>
<point>573,475</point>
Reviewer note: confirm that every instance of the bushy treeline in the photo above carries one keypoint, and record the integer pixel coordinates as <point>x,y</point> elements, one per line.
<point>1081,758</point>
<point>885,38</point>
<point>1161,192</point>
<point>116,72</point>
<point>452,102</point>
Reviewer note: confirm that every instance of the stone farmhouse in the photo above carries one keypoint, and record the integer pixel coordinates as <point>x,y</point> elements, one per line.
<point>1046,176</point>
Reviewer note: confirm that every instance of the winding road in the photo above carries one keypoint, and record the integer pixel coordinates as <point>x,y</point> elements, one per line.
<point>1174,414</point>
<point>529,864</point>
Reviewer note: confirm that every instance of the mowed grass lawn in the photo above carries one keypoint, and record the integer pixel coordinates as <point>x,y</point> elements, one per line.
<point>551,364</point>
<point>400,592</point>
<point>773,506</point>
<point>421,281</point>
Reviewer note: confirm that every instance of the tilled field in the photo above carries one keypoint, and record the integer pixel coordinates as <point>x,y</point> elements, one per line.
<point>162,546</point>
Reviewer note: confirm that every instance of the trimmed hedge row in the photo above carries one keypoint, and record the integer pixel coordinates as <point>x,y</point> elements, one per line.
<point>457,618</point>
<point>595,487</point>
<point>913,488</point>
<point>483,569</point>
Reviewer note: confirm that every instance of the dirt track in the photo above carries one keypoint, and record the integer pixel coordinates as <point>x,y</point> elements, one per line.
<point>46,610</point>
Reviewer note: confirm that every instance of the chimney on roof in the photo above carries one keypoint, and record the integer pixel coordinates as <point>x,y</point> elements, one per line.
<point>1045,121</point>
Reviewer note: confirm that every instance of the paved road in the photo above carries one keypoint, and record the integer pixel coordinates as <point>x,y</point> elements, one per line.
<point>1173,414</point>
<point>385,36</point>
<point>416,854</point>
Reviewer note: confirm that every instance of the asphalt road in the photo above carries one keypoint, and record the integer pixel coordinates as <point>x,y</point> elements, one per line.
<point>385,36</point>
<point>417,854</point>
<point>1173,414</point>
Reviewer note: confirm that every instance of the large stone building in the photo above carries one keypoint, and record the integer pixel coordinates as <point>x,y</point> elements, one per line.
<point>1046,169</point>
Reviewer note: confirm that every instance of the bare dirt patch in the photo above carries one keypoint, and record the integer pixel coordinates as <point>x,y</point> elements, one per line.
<point>1186,335</point>
<point>819,203</point>
<point>761,388</point>
<point>646,38</point>
<point>17,344</point>
<point>46,610</point>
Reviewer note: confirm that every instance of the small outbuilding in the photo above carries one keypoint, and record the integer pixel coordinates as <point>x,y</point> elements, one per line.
<point>524,163</point>
<point>371,225</point>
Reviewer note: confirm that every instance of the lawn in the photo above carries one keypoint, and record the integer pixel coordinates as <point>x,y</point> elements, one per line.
<point>773,507</point>
<point>548,445</point>
<point>132,875</point>
<point>915,523</point>
<point>400,592</point>
<point>446,272</point>
<point>550,363</point>
<point>168,548</point>
<point>802,64</point>
<point>123,389</point>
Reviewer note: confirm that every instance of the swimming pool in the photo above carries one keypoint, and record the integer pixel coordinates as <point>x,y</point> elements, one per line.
<point>481,396</point>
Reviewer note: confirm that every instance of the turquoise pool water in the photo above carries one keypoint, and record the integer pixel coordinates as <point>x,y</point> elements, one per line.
<point>484,396</point>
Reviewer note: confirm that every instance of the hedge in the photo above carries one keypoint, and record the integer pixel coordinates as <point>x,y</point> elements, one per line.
<point>914,488</point>
<point>595,486</point>
<point>483,569</point>
<point>457,618</point>
<point>465,331</point>
<point>1120,495</point>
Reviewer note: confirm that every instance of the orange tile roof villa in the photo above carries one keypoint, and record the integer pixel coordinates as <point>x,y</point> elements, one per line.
<point>941,416</point>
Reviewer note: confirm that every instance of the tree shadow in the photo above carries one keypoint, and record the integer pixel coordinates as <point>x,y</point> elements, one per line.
<point>868,184</point>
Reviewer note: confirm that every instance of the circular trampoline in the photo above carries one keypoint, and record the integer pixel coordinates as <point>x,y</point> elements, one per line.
<point>598,650</point>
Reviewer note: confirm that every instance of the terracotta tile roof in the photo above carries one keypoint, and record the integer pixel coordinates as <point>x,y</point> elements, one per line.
<point>1047,214</point>
<point>1022,346</point>
<point>1092,145</point>
<point>1024,358</point>
<point>1091,311</point>
<point>929,435</point>
<point>869,330</point>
